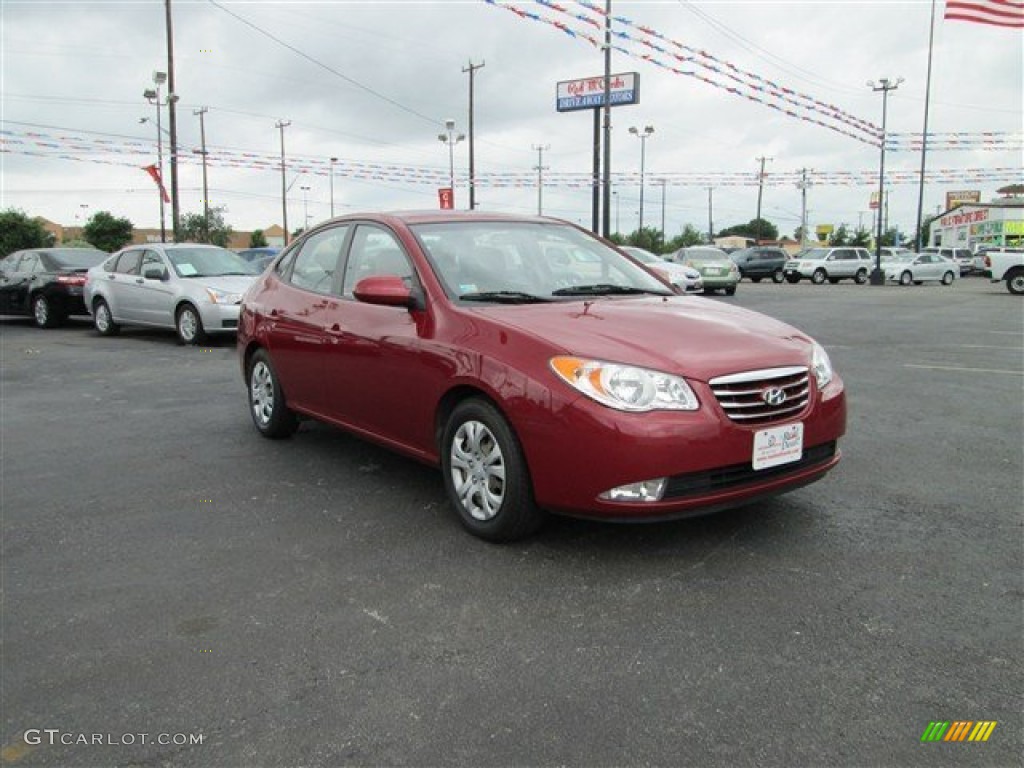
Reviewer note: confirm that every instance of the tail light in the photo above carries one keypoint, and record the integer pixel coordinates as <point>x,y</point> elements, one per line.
<point>988,262</point>
<point>72,279</point>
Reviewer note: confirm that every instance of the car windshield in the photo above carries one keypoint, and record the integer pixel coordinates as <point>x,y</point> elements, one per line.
<point>208,262</point>
<point>705,255</point>
<point>75,258</point>
<point>522,262</point>
<point>644,257</point>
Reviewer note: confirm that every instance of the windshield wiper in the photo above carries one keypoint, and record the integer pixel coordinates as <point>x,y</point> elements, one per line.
<point>605,289</point>
<point>504,297</point>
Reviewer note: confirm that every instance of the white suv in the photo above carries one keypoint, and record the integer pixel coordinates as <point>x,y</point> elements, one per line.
<point>831,264</point>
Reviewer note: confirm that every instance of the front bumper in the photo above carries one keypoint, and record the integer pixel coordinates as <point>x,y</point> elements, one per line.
<point>220,318</point>
<point>584,449</point>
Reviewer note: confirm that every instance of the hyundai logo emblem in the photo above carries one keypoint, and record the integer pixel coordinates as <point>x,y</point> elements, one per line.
<point>774,396</point>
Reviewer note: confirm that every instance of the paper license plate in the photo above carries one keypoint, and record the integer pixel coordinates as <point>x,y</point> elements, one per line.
<point>778,445</point>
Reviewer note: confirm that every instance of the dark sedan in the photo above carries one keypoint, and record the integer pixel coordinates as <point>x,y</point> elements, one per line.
<point>46,283</point>
<point>761,262</point>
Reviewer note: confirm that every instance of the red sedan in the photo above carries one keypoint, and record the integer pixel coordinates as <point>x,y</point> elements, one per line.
<point>540,368</point>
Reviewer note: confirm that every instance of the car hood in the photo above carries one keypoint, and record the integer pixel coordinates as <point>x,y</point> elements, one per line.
<point>228,283</point>
<point>695,337</point>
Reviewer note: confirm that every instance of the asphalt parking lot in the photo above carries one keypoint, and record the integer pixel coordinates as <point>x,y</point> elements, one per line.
<point>313,601</point>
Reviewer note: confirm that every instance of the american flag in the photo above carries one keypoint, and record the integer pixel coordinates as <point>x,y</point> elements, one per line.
<point>1000,13</point>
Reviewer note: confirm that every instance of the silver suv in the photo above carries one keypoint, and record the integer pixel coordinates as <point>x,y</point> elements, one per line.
<point>831,264</point>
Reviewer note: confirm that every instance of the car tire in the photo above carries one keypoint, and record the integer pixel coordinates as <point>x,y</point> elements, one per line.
<point>267,405</point>
<point>189,325</point>
<point>819,276</point>
<point>755,279</point>
<point>44,313</point>
<point>793,279</point>
<point>1015,283</point>
<point>948,278</point>
<point>103,321</point>
<point>861,277</point>
<point>833,281</point>
<point>778,276</point>
<point>906,278</point>
<point>485,474</point>
<point>730,291</point>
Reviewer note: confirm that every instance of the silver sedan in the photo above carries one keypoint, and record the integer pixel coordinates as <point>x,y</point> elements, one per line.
<point>194,289</point>
<point>685,279</point>
<point>917,268</point>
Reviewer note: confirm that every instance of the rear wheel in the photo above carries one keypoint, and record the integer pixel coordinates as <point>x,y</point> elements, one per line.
<point>189,325</point>
<point>818,277</point>
<point>730,291</point>
<point>44,313</point>
<point>861,277</point>
<point>755,279</point>
<point>485,474</point>
<point>794,279</point>
<point>906,278</point>
<point>777,276</point>
<point>270,412</point>
<point>1015,283</point>
<point>948,278</point>
<point>103,320</point>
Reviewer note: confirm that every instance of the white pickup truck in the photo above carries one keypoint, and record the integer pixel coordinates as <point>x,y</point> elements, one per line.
<point>1007,264</point>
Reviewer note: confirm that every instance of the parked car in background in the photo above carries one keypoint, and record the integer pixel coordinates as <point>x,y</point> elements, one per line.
<point>962,256</point>
<point>686,279</point>
<point>260,257</point>
<point>916,268</point>
<point>893,253</point>
<point>537,383</point>
<point>830,264</point>
<point>46,283</point>
<point>717,270</point>
<point>194,289</point>
<point>760,262</point>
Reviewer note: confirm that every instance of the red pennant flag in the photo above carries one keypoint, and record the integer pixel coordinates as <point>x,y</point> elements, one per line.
<point>154,172</point>
<point>998,13</point>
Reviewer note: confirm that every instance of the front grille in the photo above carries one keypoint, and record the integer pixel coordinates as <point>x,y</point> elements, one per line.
<point>738,475</point>
<point>763,397</point>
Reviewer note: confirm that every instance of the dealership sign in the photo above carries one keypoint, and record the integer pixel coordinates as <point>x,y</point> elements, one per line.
<point>953,199</point>
<point>588,93</point>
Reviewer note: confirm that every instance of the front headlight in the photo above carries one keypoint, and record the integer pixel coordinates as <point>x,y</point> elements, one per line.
<point>625,387</point>
<point>821,366</point>
<point>223,297</point>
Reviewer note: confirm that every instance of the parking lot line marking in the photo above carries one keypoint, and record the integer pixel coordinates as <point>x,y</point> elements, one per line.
<point>964,370</point>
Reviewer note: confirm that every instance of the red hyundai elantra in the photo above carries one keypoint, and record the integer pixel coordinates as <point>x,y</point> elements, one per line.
<point>538,366</point>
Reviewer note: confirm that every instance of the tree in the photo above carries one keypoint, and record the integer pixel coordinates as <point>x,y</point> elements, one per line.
<point>194,228</point>
<point>755,229</point>
<point>257,239</point>
<point>861,238</point>
<point>689,236</point>
<point>106,232</point>
<point>840,236</point>
<point>648,238</point>
<point>925,233</point>
<point>18,231</point>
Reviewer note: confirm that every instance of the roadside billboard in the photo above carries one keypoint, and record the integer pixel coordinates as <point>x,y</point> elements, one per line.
<point>588,92</point>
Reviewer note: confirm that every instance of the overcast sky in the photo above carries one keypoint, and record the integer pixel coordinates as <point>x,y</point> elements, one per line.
<point>373,82</point>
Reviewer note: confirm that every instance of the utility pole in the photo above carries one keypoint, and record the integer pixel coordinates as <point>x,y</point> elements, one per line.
<point>206,190</point>
<point>606,180</point>
<point>333,161</point>
<point>172,98</point>
<point>540,168</point>
<point>664,239</point>
<point>281,125</point>
<point>471,69</point>
<point>711,226</point>
<point>760,189</point>
<point>802,185</point>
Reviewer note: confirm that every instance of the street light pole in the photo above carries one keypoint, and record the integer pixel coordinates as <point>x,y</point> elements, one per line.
<point>153,97</point>
<point>281,125</point>
<point>648,130</point>
<point>305,208</point>
<point>760,189</point>
<point>541,148</point>
<point>451,139</point>
<point>206,190</point>
<point>333,161</point>
<point>884,86</point>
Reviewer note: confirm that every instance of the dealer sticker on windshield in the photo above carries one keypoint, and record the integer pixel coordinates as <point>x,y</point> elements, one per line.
<point>778,445</point>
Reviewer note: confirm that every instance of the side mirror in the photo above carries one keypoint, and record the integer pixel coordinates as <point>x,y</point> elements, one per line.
<point>155,273</point>
<point>387,291</point>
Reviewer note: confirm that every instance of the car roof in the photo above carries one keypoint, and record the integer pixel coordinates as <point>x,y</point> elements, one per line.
<point>437,217</point>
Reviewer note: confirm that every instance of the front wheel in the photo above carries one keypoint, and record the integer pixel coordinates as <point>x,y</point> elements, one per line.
<point>270,412</point>
<point>103,320</point>
<point>818,277</point>
<point>730,291</point>
<point>485,474</point>
<point>861,277</point>
<point>906,278</point>
<point>793,279</point>
<point>189,325</point>
<point>44,313</point>
<point>755,279</point>
<point>948,278</point>
<point>777,276</point>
